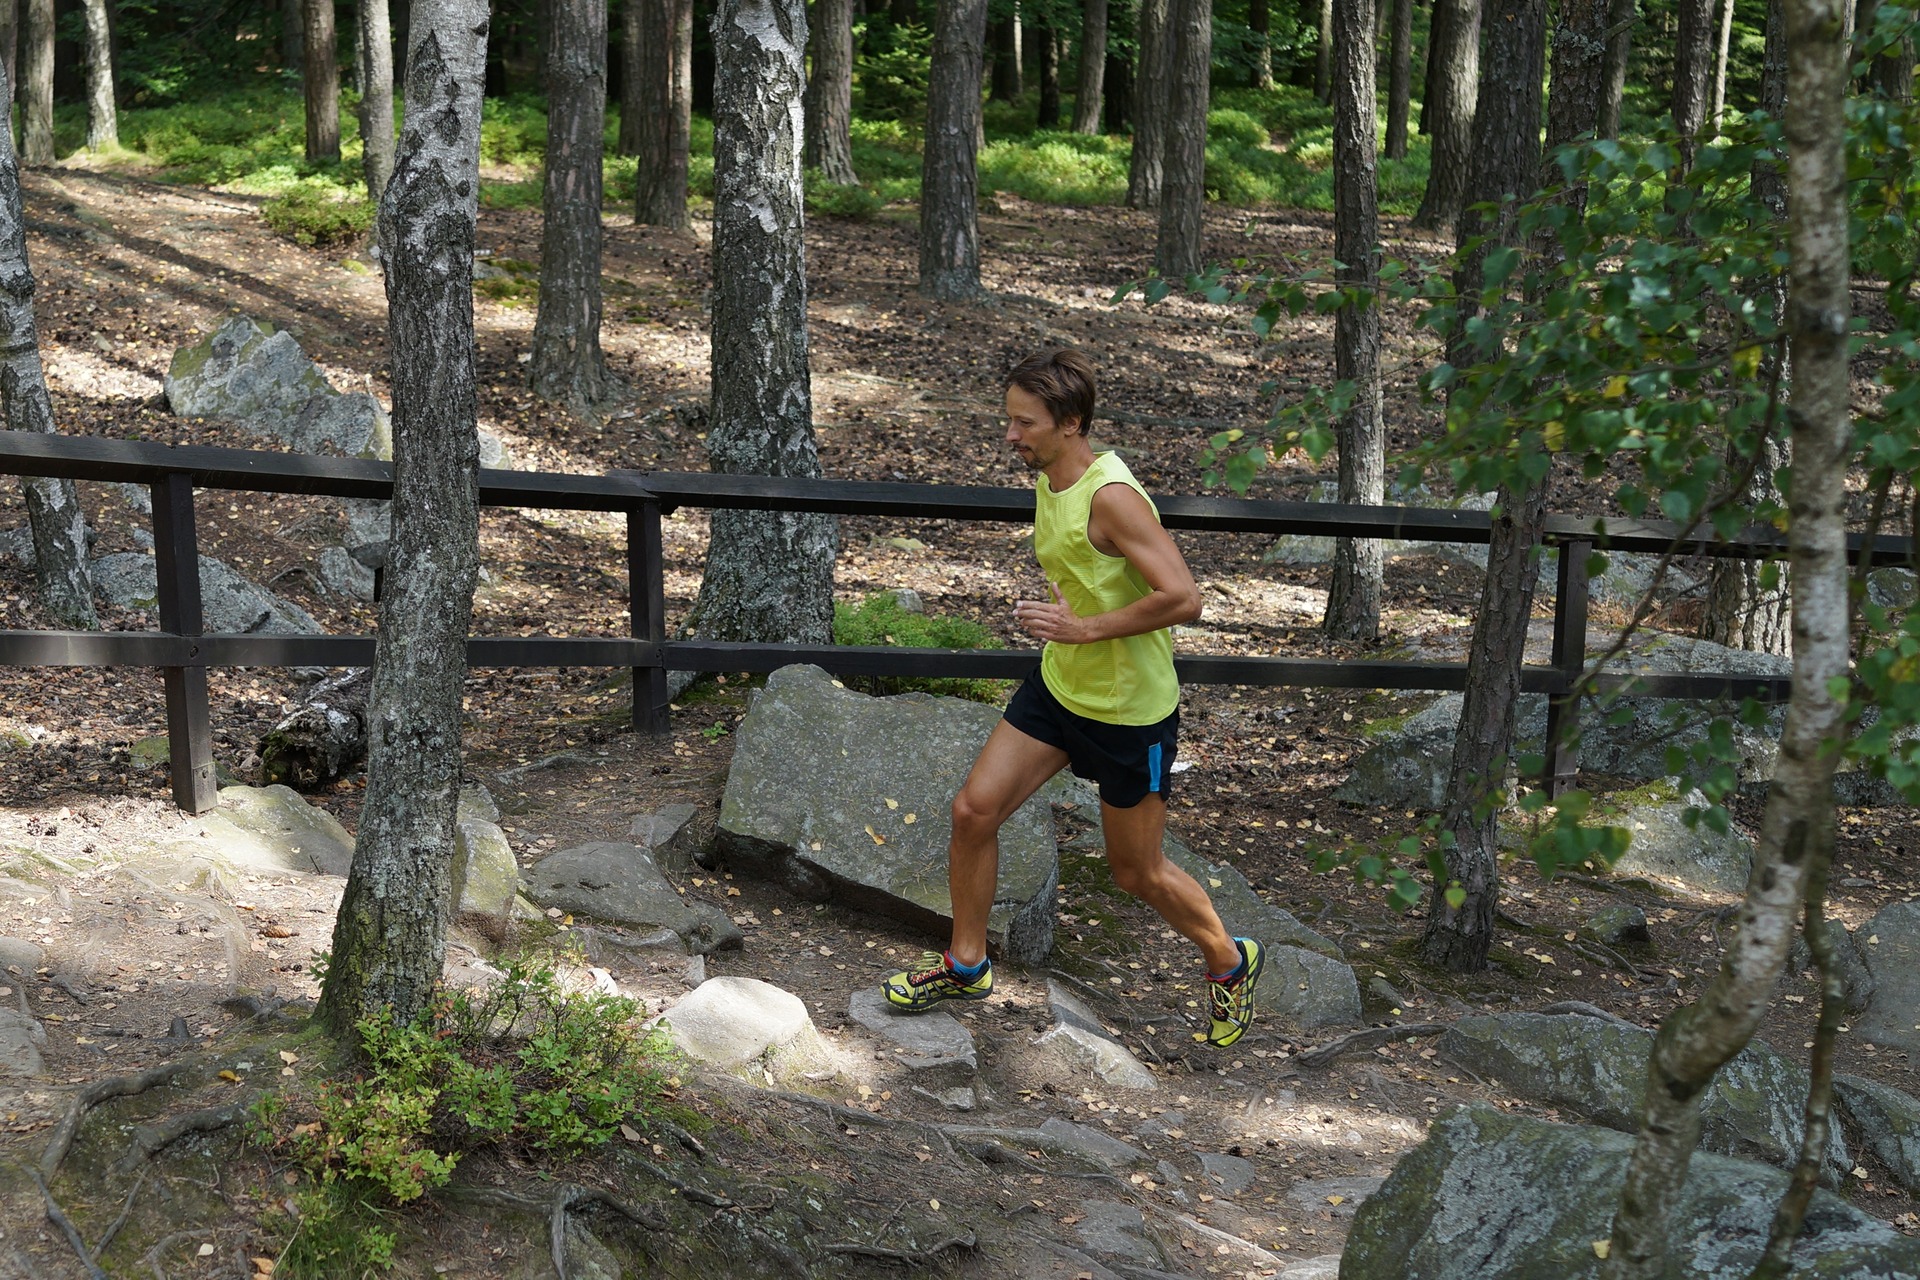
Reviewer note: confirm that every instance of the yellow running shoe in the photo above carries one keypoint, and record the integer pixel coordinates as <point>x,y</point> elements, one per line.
<point>935,981</point>
<point>1232,998</point>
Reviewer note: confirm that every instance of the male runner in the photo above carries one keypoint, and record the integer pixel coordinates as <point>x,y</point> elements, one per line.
<point>1104,702</point>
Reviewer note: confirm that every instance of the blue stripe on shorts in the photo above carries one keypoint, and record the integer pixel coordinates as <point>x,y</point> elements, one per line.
<point>1153,767</point>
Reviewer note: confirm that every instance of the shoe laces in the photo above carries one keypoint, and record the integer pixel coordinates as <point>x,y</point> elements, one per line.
<point>933,964</point>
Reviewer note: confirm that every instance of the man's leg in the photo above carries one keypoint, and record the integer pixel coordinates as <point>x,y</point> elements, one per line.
<point>1141,868</point>
<point>1010,768</point>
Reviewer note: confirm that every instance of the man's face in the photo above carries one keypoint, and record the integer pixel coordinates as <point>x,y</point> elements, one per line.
<point>1032,432</point>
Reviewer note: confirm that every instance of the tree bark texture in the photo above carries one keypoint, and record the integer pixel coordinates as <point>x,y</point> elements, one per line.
<point>1047,114</point>
<point>1117,88</point>
<point>1323,55</point>
<point>1720,65</point>
<point>662,62</point>
<point>322,738</point>
<point>1260,22</point>
<point>950,176</point>
<point>1146,167</point>
<point>1579,79</point>
<point>1008,80</point>
<point>1620,22</point>
<point>1399,79</point>
<point>1353,603</point>
<point>36,84</point>
<point>1090,81</point>
<point>376,97</point>
<point>10,50</point>
<point>1455,80</point>
<point>103,118</point>
<point>1797,825</point>
<point>567,366</point>
<point>633,38</point>
<point>1457,938</point>
<point>769,575</point>
<point>54,518</point>
<point>321,80</point>
<point>830,93</point>
<point>293,35</point>
<point>389,941</point>
<point>1180,250</point>
<point>1692,74</point>
<point>1429,70</point>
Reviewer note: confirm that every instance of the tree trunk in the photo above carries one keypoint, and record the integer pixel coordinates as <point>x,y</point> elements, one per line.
<point>1180,251</point>
<point>1260,22</point>
<point>54,518</point>
<point>1720,65</point>
<point>1430,70</point>
<point>1323,55</point>
<point>1353,603</point>
<point>376,100</point>
<point>1399,79</point>
<point>1047,116</point>
<point>902,12</point>
<point>322,84</point>
<point>103,119</point>
<point>949,177</point>
<point>830,93</point>
<point>1579,76</point>
<point>10,51</point>
<point>769,575</point>
<point>36,84</point>
<point>323,737</point>
<point>1692,75</point>
<point>1006,84</point>
<point>1796,830</point>
<point>1620,20</point>
<point>568,367</point>
<point>633,39</point>
<point>1093,67</point>
<point>1457,938</point>
<point>1117,87</point>
<point>1454,52</point>
<point>293,36</point>
<point>664,72</point>
<point>1506,151</point>
<point>389,941</point>
<point>1146,171</point>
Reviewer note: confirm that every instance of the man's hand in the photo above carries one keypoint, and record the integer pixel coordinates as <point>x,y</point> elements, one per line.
<point>1052,620</point>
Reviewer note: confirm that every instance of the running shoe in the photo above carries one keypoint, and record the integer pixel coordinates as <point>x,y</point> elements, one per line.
<point>935,981</point>
<point>1232,998</point>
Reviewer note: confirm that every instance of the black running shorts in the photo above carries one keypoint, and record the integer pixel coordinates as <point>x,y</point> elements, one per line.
<point>1127,762</point>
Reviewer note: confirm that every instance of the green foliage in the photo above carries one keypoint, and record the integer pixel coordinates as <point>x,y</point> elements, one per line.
<point>320,216</point>
<point>892,65</point>
<point>880,620</point>
<point>836,200</point>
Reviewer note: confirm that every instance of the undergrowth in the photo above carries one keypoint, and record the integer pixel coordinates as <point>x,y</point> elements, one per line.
<point>879,620</point>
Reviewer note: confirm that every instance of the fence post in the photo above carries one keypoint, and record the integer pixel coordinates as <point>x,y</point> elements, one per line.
<point>176,555</point>
<point>647,611</point>
<point>1570,658</point>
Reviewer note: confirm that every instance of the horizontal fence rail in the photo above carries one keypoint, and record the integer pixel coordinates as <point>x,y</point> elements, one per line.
<point>184,653</point>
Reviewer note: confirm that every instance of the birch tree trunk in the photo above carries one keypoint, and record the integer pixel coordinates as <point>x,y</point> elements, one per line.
<point>1146,167</point>
<point>1399,79</point>
<point>663,74</point>
<point>1353,603</point>
<point>103,119</point>
<point>949,176</point>
<point>769,575</point>
<point>1323,55</point>
<point>1720,66</point>
<point>376,98</point>
<point>36,84</point>
<point>567,366</point>
<point>1620,22</point>
<point>321,81</point>
<point>830,93</point>
<point>1454,80</point>
<point>1091,78</point>
<point>1180,251</point>
<point>10,50</point>
<point>1006,84</point>
<point>54,518</point>
<point>389,941</point>
<point>1796,830</point>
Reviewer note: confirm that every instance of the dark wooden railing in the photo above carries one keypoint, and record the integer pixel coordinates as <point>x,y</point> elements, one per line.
<point>183,651</point>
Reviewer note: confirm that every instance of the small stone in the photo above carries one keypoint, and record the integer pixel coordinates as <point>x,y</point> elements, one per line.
<point>1227,1175</point>
<point>1618,925</point>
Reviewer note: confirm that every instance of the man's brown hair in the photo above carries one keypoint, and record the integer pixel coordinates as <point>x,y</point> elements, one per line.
<point>1063,380</point>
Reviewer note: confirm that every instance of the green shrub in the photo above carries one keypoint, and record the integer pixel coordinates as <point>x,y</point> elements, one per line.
<point>891,72</point>
<point>835,200</point>
<point>880,620</point>
<point>1229,124</point>
<point>319,217</point>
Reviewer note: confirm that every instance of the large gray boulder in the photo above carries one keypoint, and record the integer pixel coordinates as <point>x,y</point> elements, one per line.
<point>1662,846</point>
<point>1493,1195</point>
<point>1597,1068</point>
<point>486,876</point>
<point>258,376</point>
<point>275,829</point>
<point>229,604</point>
<point>745,1026</point>
<point>607,880</point>
<point>1889,1123</point>
<point>1891,944</point>
<point>844,796</point>
<point>936,1050</point>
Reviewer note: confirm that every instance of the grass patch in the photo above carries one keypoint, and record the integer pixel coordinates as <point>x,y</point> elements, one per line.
<point>319,215</point>
<point>879,620</point>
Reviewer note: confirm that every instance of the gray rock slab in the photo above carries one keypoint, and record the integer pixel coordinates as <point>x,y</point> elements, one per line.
<point>1309,990</point>
<point>1341,1197</point>
<point>275,828</point>
<point>258,376</point>
<point>1617,925</point>
<point>731,1023</point>
<point>1597,1068</point>
<point>932,1046</point>
<point>230,605</point>
<point>1062,1137</point>
<point>1226,1175</point>
<point>21,1038</point>
<point>668,836</point>
<point>1033,1256</point>
<point>1241,910</point>
<point>1494,1195</point>
<point>1079,1037</point>
<point>1115,1230</point>
<point>1855,978</point>
<point>1324,1267</point>
<point>1664,847</point>
<point>1889,1123</point>
<point>822,786</point>
<point>1890,942</point>
<point>18,953</point>
<point>486,876</point>
<point>341,574</point>
<point>608,880</point>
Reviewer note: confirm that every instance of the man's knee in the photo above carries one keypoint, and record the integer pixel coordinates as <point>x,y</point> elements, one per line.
<point>1141,879</point>
<point>974,814</point>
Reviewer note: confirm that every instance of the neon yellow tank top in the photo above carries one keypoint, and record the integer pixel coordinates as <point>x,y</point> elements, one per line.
<point>1129,680</point>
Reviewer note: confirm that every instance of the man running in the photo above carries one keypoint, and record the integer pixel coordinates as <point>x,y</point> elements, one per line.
<point>1104,702</point>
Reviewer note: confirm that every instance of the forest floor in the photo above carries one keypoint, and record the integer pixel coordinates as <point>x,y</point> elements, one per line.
<point>903,389</point>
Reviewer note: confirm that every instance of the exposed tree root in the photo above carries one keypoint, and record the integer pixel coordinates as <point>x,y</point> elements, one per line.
<point>905,1257</point>
<point>1368,1038</point>
<point>1585,1010</point>
<point>72,1233</point>
<point>152,1256</point>
<point>91,1096</point>
<point>126,1209</point>
<point>997,1153</point>
<point>149,1140</point>
<point>686,1189</point>
<point>573,1194</point>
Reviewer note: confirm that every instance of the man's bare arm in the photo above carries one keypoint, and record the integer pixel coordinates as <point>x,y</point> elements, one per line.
<point>1122,524</point>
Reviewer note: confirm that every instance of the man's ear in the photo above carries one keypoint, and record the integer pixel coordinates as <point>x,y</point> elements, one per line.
<point>1071,426</point>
